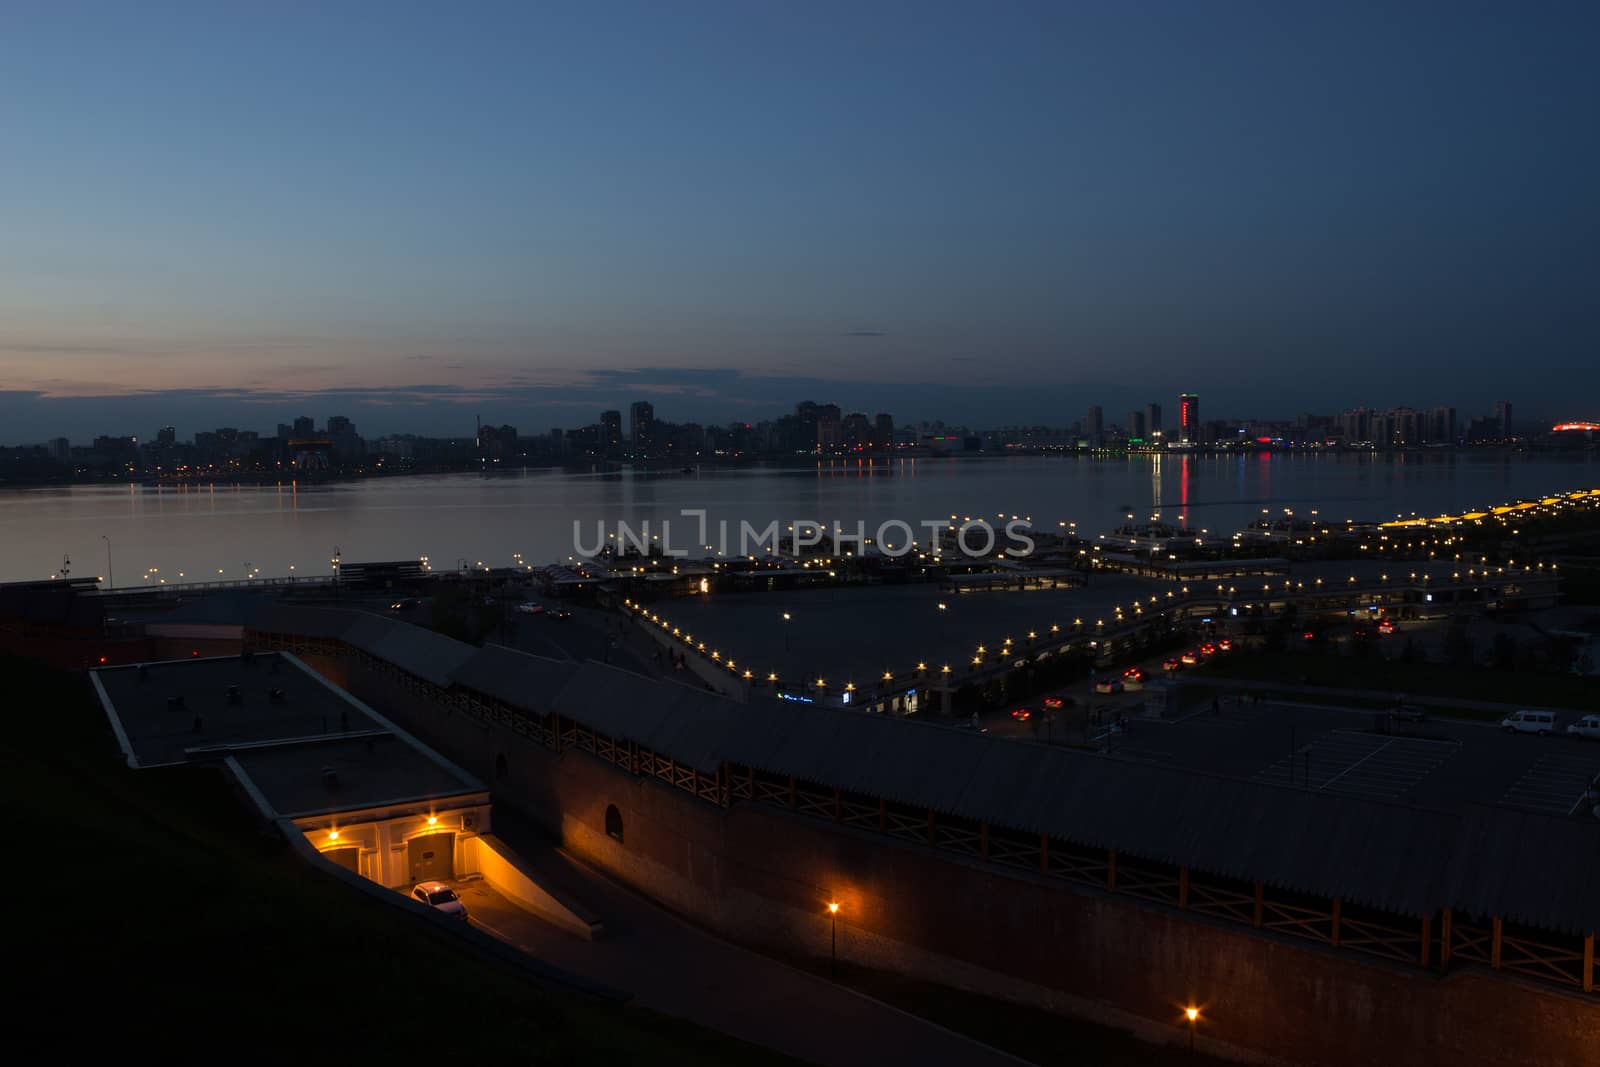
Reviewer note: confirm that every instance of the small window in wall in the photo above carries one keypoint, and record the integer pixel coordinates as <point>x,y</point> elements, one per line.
<point>613,822</point>
<point>500,765</point>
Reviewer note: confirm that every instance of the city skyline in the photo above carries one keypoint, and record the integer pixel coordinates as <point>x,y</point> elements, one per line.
<point>1436,423</point>
<point>975,215</point>
<point>31,423</point>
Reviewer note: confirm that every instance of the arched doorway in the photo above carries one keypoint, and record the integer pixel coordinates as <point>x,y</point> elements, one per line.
<point>613,822</point>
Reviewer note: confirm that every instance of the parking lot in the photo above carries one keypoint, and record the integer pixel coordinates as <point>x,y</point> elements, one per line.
<point>1361,764</point>
<point>1444,764</point>
<point>1555,783</point>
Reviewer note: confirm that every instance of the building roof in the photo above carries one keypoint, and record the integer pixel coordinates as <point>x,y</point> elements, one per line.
<point>54,603</point>
<point>1532,869</point>
<point>347,774</point>
<point>305,746</point>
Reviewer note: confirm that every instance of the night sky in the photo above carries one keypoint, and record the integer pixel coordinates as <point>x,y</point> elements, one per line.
<point>414,214</point>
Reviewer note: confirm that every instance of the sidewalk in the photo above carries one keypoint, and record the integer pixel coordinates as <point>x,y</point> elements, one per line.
<point>678,969</point>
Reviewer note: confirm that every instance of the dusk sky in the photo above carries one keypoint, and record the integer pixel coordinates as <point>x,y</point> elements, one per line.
<point>415,214</point>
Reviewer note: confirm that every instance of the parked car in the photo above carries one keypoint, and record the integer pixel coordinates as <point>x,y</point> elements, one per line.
<point>1588,726</point>
<point>1529,722</point>
<point>440,897</point>
<point>530,608</point>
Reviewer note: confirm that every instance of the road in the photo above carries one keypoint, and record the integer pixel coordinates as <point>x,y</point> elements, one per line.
<point>679,969</point>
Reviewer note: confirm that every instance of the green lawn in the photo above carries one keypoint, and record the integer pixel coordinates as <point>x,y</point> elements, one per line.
<point>1417,681</point>
<point>151,911</point>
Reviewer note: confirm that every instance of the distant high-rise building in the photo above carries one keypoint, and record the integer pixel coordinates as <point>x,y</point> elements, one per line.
<point>611,430</point>
<point>829,433</point>
<point>1094,424</point>
<point>1152,418</point>
<point>305,426</point>
<point>1400,427</point>
<point>856,430</point>
<point>1442,425</point>
<point>497,443</point>
<point>641,424</point>
<point>1502,418</point>
<point>342,434</point>
<point>59,449</point>
<point>1357,426</point>
<point>167,435</point>
<point>1135,425</point>
<point>883,430</point>
<point>1189,418</point>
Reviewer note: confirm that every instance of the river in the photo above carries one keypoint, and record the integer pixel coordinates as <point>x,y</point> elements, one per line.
<point>217,531</point>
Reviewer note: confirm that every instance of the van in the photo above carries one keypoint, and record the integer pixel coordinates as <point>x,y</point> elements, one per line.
<point>1529,722</point>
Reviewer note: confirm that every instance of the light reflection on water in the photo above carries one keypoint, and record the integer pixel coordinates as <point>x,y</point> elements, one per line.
<point>201,530</point>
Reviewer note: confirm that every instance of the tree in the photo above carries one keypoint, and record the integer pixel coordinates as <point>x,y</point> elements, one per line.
<point>1504,654</point>
<point>1457,645</point>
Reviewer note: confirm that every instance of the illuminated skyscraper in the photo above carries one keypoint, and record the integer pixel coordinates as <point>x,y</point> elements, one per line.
<point>1189,418</point>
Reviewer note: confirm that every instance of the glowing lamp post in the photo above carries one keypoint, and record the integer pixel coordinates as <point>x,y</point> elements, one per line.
<point>833,949</point>
<point>1193,1015</point>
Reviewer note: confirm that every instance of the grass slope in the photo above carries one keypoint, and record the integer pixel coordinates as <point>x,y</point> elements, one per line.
<point>153,913</point>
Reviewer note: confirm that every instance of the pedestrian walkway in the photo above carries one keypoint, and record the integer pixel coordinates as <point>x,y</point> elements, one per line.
<point>676,968</point>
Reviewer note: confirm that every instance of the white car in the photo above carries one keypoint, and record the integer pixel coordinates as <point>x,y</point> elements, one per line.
<point>1529,722</point>
<point>530,608</point>
<point>1588,726</point>
<point>440,897</point>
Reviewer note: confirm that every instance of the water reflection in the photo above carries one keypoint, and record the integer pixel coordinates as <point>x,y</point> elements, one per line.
<point>203,529</point>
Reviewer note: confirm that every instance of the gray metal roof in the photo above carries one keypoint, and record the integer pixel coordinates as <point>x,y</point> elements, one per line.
<point>1531,869</point>
<point>516,678</point>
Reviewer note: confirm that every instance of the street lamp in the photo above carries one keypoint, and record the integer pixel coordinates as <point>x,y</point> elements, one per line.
<point>786,618</point>
<point>111,578</point>
<point>1191,1013</point>
<point>833,951</point>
